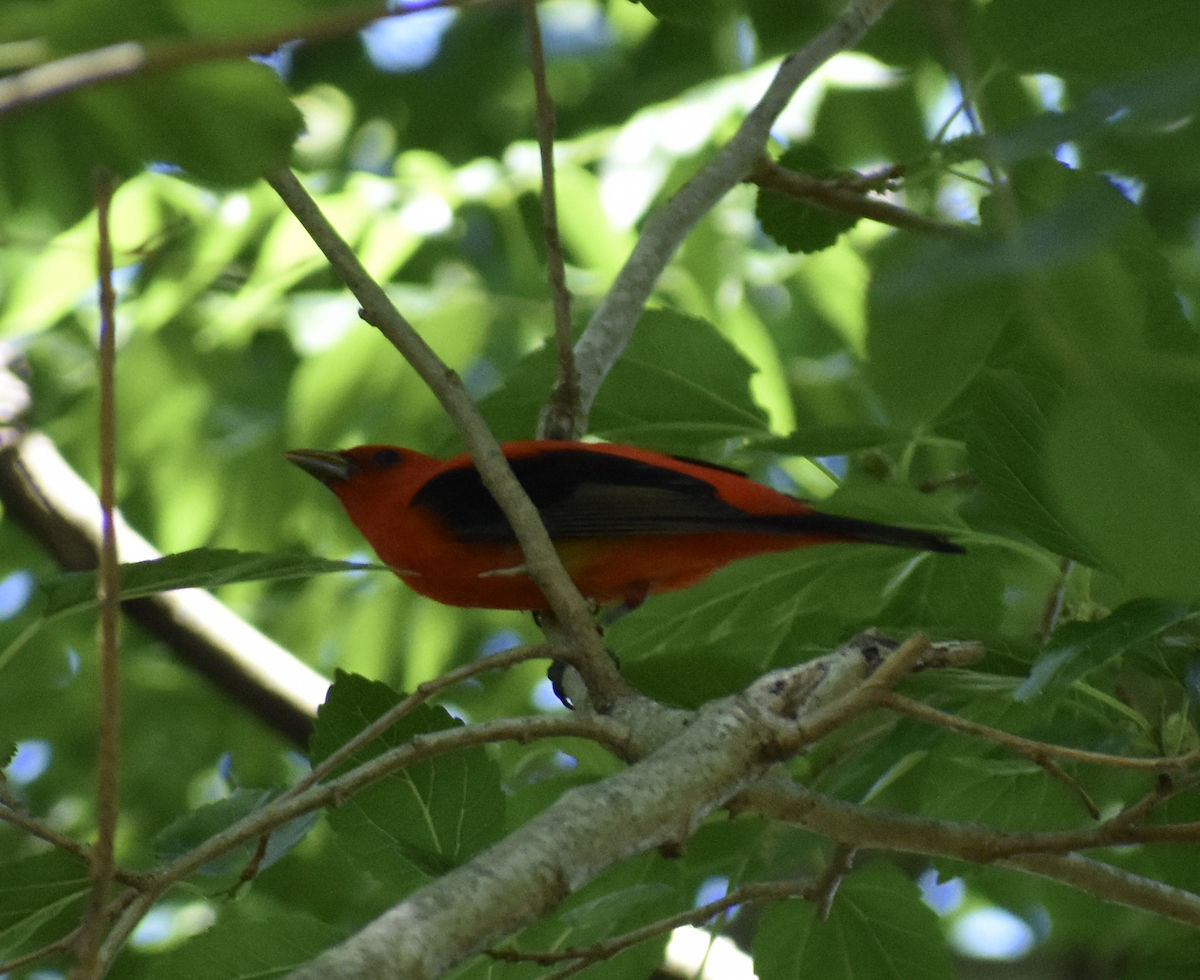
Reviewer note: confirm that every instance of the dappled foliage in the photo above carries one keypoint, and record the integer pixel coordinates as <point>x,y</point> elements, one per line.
<point>1023,375</point>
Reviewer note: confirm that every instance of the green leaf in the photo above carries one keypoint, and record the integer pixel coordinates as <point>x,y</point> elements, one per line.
<point>794,224</point>
<point>693,13</point>
<point>680,386</point>
<point>1087,40</point>
<point>1077,649</point>
<point>201,568</point>
<point>1006,443</point>
<point>935,309</point>
<point>831,440</point>
<point>1111,111</point>
<point>224,122</point>
<point>254,940</point>
<point>423,820</point>
<point>1123,461</point>
<point>1010,794</point>
<point>207,821</point>
<point>33,892</point>
<point>877,928</point>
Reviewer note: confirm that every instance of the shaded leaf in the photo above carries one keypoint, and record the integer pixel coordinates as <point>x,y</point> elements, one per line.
<point>1123,461</point>
<point>422,820</point>
<point>1087,40</point>
<point>252,941</point>
<point>797,225</point>
<point>201,568</point>
<point>1006,442</point>
<point>678,387</point>
<point>33,892</point>
<point>935,309</point>
<point>211,819</point>
<point>878,929</point>
<point>1076,649</point>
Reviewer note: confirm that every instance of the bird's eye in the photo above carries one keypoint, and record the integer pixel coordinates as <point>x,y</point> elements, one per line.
<point>386,458</point>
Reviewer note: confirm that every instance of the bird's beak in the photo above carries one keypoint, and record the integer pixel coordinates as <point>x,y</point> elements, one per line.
<point>329,467</point>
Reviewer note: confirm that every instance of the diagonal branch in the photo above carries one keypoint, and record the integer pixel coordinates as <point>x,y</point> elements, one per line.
<point>612,325</point>
<point>727,746</point>
<point>1036,751</point>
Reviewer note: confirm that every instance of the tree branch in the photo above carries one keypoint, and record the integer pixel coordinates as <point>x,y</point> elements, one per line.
<point>612,325</point>
<point>835,195</point>
<point>1046,854</point>
<point>758,891</point>
<point>1034,750</point>
<point>727,745</point>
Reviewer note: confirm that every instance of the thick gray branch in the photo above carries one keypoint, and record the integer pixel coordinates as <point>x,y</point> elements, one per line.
<point>727,745</point>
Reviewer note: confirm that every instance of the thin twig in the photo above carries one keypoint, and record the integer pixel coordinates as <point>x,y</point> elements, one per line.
<point>1073,784</point>
<point>12,813</point>
<point>604,683</point>
<point>423,693</point>
<point>841,864</point>
<point>109,598</point>
<point>762,891</point>
<point>132,907</point>
<point>426,746</point>
<point>1045,853</point>
<point>835,195</point>
<point>63,945</point>
<point>565,397</point>
<point>1033,749</point>
<point>1054,604</point>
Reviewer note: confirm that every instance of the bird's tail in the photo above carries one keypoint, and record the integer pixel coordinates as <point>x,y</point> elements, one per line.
<point>839,528</point>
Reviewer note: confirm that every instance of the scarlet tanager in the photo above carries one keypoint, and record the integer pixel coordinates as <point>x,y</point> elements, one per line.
<point>627,522</point>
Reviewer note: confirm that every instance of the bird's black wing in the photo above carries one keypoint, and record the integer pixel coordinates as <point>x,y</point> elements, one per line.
<point>586,494</point>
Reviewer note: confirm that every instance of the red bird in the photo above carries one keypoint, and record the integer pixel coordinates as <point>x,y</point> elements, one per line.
<point>627,522</point>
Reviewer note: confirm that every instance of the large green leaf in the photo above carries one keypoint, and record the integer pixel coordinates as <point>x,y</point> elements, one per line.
<point>878,929</point>
<point>1123,461</point>
<point>225,122</point>
<point>1010,425</point>
<point>680,386</point>
<point>1076,649</point>
<point>254,940</point>
<point>713,638</point>
<point>935,310</point>
<point>201,568</point>
<point>420,821</point>
<point>34,892</point>
<point>1087,39</point>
